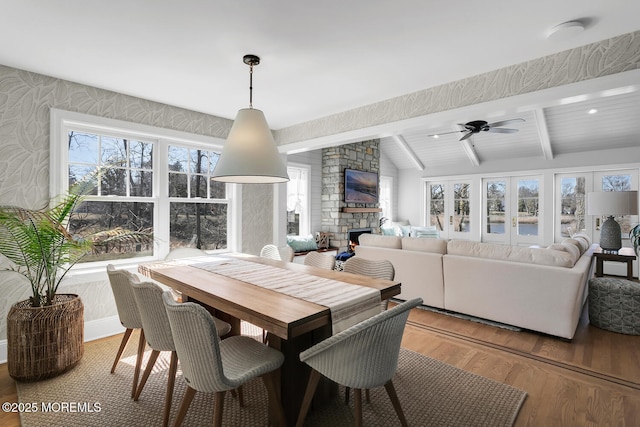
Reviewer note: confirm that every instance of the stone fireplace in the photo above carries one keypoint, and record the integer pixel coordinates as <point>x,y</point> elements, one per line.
<point>354,233</point>
<point>338,217</point>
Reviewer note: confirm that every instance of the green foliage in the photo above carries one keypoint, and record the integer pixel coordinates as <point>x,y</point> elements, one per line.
<point>634,235</point>
<point>40,246</point>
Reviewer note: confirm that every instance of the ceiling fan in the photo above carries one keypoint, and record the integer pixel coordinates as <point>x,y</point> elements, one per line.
<point>478,126</point>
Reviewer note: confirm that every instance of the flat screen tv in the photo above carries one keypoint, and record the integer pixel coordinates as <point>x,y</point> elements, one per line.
<point>360,186</point>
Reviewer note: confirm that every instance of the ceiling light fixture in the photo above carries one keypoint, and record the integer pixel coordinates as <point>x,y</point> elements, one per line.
<point>592,111</point>
<point>565,31</point>
<point>250,155</point>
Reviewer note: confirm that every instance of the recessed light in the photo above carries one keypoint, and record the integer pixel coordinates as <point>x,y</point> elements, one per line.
<point>565,31</point>
<point>592,111</point>
<point>436,136</point>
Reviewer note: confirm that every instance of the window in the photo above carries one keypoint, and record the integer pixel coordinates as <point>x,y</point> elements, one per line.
<point>153,181</point>
<point>511,210</point>
<point>197,210</point>
<point>570,204</point>
<point>386,185</point>
<point>298,208</point>
<point>449,208</point>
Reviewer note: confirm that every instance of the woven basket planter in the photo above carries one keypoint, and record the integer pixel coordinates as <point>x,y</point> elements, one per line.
<point>43,342</point>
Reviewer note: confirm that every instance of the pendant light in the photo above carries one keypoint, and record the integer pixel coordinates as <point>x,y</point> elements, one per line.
<point>250,155</point>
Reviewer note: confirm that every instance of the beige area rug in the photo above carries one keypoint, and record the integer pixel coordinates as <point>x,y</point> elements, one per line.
<point>432,394</point>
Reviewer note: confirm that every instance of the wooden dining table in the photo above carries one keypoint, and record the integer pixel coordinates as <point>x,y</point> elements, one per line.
<point>293,324</point>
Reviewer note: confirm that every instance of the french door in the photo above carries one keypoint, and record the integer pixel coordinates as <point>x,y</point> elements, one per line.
<point>449,208</point>
<point>511,210</point>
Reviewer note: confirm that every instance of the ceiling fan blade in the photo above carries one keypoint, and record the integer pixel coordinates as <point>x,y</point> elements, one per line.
<point>502,130</point>
<point>506,122</point>
<point>466,136</point>
<point>446,133</point>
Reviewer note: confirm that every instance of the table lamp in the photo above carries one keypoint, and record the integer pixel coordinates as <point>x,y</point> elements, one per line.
<point>612,203</point>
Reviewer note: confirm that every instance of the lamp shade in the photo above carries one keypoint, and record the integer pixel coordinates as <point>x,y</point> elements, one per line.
<point>250,155</point>
<point>612,203</point>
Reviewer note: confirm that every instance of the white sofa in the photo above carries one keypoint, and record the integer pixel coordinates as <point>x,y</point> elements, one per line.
<point>541,289</point>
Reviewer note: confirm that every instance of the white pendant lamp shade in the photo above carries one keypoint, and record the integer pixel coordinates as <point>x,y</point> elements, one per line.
<point>250,155</point>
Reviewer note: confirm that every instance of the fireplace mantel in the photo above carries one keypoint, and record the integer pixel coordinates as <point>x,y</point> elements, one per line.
<point>356,210</point>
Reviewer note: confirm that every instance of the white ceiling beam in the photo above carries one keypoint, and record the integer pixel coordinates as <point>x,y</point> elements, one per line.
<point>543,133</point>
<point>467,146</point>
<point>402,143</point>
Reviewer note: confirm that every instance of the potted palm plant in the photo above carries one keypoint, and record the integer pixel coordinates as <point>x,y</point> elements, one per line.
<point>45,333</point>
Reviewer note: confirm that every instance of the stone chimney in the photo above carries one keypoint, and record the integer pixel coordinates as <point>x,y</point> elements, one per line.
<point>363,156</point>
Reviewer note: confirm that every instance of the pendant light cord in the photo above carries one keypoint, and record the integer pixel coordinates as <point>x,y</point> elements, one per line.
<point>251,85</point>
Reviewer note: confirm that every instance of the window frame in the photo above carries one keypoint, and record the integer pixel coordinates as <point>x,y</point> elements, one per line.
<point>62,121</point>
<point>305,215</point>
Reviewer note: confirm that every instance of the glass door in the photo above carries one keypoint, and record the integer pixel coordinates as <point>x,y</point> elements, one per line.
<point>449,208</point>
<point>511,210</point>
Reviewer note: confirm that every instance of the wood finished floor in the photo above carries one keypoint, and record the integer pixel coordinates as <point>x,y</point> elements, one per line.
<point>594,380</point>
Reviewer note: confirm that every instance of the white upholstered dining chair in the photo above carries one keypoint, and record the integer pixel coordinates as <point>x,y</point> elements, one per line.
<point>158,334</point>
<point>129,317</point>
<point>379,269</point>
<point>214,366</point>
<point>283,253</point>
<point>376,342</point>
<point>318,259</point>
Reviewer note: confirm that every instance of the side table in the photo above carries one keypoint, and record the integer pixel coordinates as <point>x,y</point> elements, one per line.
<point>623,255</point>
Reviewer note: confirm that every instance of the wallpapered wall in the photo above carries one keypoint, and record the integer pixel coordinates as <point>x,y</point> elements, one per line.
<point>599,59</point>
<point>25,101</point>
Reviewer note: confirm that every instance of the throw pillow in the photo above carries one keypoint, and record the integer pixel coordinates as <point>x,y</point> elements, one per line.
<point>302,243</point>
<point>431,232</point>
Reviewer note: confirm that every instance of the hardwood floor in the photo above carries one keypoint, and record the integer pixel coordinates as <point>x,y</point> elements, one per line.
<point>594,380</point>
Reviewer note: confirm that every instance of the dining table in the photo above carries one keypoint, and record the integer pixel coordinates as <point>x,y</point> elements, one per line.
<point>298,306</point>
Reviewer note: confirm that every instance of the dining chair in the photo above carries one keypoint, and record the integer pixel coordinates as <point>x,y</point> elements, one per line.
<point>379,269</point>
<point>360,357</point>
<point>155,323</point>
<point>212,365</point>
<point>283,253</point>
<point>129,318</point>
<point>318,259</point>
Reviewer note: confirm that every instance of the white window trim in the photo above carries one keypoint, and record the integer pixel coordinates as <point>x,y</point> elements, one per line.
<point>62,120</point>
<point>307,221</point>
<point>389,179</point>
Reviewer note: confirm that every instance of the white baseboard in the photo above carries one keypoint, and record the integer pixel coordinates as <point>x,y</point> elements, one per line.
<point>93,330</point>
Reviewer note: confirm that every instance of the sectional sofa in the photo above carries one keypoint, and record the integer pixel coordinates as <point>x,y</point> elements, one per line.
<point>540,289</point>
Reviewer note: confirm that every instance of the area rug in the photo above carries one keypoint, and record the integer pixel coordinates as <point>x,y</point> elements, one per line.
<point>432,393</point>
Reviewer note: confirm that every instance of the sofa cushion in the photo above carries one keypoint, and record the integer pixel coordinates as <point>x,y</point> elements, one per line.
<point>583,235</point>
<point>567,247</point>
<point>584,243</point>
<point>380,241</point>
<point>510,253</point>
<point>438,246</point>
<point>580,243</point>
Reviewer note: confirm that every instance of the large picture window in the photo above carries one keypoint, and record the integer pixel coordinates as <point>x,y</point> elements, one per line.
<point>141,179</point>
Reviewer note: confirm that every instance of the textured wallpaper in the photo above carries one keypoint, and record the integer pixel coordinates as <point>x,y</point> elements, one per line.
<point>587,62</point>
<point>25,101</point>
<point>257,217</point>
